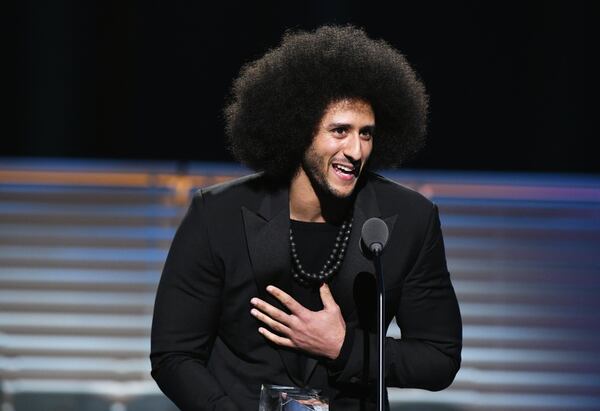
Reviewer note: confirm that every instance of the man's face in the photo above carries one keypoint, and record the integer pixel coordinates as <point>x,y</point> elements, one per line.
<point>341,146</point>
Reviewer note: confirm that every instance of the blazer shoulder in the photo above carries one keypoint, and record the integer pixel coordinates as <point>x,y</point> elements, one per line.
<point>230,186</point>
<point>247,191</point>
<point>391,194</point>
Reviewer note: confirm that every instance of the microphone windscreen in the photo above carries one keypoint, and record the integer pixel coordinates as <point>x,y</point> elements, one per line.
<point>374,231</point>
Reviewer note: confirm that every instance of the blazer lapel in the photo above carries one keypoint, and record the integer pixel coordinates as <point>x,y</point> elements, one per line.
<point>267,236</point>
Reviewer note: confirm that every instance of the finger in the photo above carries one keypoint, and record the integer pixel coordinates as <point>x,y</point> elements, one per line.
<point>294,306</point>
<point>286,342</point>
<point>326,296</point>
<point>273,312</point>
<point>274,325</point>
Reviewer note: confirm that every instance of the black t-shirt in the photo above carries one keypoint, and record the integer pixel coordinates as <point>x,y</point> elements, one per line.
<point>314,243</point>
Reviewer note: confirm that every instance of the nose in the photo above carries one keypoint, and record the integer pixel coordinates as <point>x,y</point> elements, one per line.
<point>352,148</point>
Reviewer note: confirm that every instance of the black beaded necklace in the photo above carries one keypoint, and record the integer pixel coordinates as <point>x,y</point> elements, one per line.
<point>333,263</point>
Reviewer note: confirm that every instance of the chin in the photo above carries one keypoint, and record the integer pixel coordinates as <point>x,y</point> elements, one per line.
<point>340,195</point>
<point>341,192</point>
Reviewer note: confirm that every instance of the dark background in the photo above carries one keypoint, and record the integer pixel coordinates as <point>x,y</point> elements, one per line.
<point>510,82</point>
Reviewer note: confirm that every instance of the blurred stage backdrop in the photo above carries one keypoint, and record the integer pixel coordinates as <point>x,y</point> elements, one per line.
<point>113,118</point>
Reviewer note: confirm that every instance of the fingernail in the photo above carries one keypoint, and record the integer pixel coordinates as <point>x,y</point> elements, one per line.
<point>254,301</point>
<point>269,288</point>
<point>253,312</point>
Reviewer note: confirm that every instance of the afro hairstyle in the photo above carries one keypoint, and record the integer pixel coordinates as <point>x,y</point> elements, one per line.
<point>277,101</point>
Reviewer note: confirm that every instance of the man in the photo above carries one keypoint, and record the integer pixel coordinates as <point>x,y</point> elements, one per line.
<point>265,282</point>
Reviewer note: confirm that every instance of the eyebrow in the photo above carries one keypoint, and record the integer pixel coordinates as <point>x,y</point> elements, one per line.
<point>370,127</point>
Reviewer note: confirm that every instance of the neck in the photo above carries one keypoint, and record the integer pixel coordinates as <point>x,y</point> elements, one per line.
<point>309,204</point>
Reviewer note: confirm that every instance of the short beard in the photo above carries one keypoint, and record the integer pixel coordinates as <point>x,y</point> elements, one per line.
<point>312,166</point>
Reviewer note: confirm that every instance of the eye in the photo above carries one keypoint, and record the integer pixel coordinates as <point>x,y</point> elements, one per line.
<point>339,130</point>
<point>366,134</point>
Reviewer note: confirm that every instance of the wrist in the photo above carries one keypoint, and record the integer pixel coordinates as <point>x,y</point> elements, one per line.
<point>337,364</point>
<point>335,353</point>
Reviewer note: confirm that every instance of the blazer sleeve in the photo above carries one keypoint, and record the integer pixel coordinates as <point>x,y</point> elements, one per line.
<point>186,318</point>
<point>428,354</point>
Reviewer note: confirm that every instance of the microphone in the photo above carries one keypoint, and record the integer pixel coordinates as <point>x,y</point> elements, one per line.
<point>374,236</point>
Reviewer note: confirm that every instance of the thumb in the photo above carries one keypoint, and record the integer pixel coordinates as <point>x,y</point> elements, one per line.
<point>326,296</point>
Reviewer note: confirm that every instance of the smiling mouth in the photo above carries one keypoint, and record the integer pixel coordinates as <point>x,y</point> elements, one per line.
<point>346,169</point>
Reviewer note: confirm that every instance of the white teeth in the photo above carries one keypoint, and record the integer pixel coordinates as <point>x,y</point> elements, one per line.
<point>344,168</point>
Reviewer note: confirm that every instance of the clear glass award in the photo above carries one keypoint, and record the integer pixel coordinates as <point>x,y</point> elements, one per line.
<point>280,398</point>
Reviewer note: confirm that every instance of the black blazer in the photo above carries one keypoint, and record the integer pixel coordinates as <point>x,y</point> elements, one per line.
<point>206,351</point>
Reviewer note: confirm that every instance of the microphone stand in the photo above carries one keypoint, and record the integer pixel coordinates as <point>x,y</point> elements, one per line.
<point>380,328</point>
<point>375,234</point>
